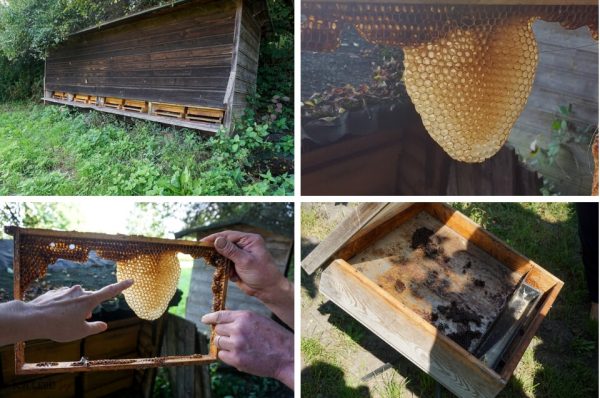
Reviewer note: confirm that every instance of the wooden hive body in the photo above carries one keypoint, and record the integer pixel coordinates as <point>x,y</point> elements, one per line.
<point>373,248</point>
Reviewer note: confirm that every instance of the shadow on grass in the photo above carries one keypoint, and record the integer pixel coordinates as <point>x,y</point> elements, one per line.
<point>308,281</point>
<point>322,379</point>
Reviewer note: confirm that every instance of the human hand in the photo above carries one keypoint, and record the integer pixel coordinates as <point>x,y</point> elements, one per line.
<point>255,271</point>
<point>62,313</point>
<point>254,344</point>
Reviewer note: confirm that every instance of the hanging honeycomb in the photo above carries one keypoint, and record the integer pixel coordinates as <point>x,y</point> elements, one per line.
<point>469,69</point>
<point>151,263</point>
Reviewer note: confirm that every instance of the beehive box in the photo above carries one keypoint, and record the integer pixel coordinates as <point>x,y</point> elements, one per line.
<point>430,282</point>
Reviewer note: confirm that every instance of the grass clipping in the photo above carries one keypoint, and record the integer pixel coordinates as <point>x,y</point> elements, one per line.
<point>468,69</point>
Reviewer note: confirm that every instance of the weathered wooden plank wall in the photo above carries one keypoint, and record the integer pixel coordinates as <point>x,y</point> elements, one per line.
<point>567,73</point>
<point>403,159</point>
<point>181,338</point>
<point>247,59</point>
<point>181,56</point>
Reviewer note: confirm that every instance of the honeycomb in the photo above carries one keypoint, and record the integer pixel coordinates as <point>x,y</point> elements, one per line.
<point>153,266</point>
<point>469,69</point>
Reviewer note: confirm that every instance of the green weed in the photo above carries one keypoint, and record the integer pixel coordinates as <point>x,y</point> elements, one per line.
<point>58,151</point>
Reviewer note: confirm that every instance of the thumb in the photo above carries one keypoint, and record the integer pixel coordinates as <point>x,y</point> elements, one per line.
<point>96,327</point>
<point>230,250</point>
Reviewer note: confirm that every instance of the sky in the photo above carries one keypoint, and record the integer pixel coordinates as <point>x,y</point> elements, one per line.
<point>119,217</point>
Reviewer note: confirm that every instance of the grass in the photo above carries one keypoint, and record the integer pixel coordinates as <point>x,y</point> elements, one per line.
<point>55,150</point>
<point>323,375</point>
<point>562,359</point>
<point>184,285</point>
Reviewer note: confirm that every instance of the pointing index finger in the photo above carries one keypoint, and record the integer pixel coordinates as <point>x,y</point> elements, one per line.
<point>110,291</point>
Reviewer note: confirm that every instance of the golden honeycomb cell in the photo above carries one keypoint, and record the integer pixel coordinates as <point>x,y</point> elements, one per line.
<point>468,68</point>
<point>156,276</point>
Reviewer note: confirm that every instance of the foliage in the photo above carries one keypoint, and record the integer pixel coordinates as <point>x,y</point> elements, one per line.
<point>386,88</point>
<point>107,156</point>
<point>227,382</point>
<point>33,215</point>
<point>99,154</point>
<point>29,28</point>
<point>276,63</point>
<point>20,79</point>
<point>162,385</point>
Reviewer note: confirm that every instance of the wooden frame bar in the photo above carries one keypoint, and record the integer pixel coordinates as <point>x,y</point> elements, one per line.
<point>415,338</point>
<point>24,368</point>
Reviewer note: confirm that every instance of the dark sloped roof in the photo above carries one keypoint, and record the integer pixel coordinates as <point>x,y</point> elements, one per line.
<point>237,221</point>
<point>261,12</point>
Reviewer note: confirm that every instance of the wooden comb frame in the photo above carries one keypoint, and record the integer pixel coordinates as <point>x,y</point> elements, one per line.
<point>220,280</point>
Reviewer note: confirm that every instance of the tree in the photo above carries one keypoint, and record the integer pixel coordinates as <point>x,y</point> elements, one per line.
<point>34,215</point>
<point>151,218</point>
<point>29,28</point>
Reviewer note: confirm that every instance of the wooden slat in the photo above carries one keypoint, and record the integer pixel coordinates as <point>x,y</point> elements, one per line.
<point>336,239</point>
<point>482,238</point>
<point>167,44</point>
<point>407,333</point>
<point>468,2</point>
<point>385,221</point>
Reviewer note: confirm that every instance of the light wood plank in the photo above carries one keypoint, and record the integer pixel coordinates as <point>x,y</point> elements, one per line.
<point>407,333</point>
<point>336,239</point>
<point>468,2</point>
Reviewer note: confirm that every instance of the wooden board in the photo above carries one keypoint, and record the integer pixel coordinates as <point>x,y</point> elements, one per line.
<point>472,2</point>
<point>451,270</point>
<point>396,282</point>
<point>348,228</point>
<point>401,158</point>
<point>411,336</point>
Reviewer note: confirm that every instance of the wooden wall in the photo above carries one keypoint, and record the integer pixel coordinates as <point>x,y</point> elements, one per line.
<point>247,42</point>
<point>401,158</point>
<point>125,338</point>
<point>567,73</point>
<point>180,55</point>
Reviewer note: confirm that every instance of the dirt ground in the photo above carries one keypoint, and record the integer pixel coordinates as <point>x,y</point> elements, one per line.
<point>340,357</point>
<point>351,63</point>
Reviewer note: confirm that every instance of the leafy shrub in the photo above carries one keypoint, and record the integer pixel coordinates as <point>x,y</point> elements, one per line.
<point>56,150</point>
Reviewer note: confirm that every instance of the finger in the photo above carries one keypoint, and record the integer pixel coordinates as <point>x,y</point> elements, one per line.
<point>74,291</point>
<point>229,357</point>
<point>223,329</point>
<point>219,317</point>
<point>95,327</point>
<point>233,276</point>
<point>233,236</point>
<point>230,250</point>
<point>110,291</point>
<point>223,343</point>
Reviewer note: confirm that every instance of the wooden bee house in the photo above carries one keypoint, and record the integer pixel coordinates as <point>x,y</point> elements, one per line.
<point>437,288</point>
<point>189,63</point>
